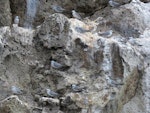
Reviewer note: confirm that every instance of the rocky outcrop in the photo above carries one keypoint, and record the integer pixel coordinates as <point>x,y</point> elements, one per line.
<point>66,65</point>
<point>12,104</point>
<point>5,13</point>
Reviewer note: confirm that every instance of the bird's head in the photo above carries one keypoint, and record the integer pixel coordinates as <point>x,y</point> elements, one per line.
<point>17,17</point>
<point>48,90</point>
<point>73,86</point>
<point>12,87</point>
<point>111,31</point>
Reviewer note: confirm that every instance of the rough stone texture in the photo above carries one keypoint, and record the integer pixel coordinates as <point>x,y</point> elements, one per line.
<point>113,72</point>
<point>10,104</point>
<point>145,1</point>
<point>54,33</point>
<point>5,13</point>
<point>132,26</point>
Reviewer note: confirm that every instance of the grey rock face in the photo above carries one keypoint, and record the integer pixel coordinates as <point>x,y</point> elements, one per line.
<point>5,13</point>
<point>114,71</point>
<point>13,104</point>
<point>54,31</point>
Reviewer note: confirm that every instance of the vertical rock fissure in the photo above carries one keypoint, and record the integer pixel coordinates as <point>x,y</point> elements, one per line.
<point>30,13</point>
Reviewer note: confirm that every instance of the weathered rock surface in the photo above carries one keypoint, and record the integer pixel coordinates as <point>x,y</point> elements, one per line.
<point>110,74</point>
<point>12,104</point>
<point>5,13</point>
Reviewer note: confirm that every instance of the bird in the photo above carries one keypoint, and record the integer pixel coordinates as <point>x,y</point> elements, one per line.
<point>112,82</point>
<point>51,93</point>
<point>113,3</point>
<point>57,8</point>
<point>15,90</point>
<point>16,20</point>
<point>77,88</point>
<point>106,34</point>
<point>82,30</point>
<point>58,66</point>
<point>76,15</point>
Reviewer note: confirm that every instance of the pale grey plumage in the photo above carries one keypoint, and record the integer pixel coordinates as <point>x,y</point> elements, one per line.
<point>16,90</point>
<point>77,88</point>
<point>56,65</point>
<point>51,93</point>
<point>106,34</point>
<point>59,66</point>
<point>57,8</point>
<point>76,15</point>
<point>82,30</point>
<point>112,82</point>
<point>113,3</point>
<point>16,20</point>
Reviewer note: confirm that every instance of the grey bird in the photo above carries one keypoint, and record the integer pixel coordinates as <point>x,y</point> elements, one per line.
<point>112,82</point>
<point>76,15</point>
<point>113,3</point>
<point>58,66</point>
<point>77,88</point>
<point>15,90</point>
<point>82,30</point>
<point>57,8</point>
<point>106,34</point>
<point>51,93</point>
<point>16,20</point>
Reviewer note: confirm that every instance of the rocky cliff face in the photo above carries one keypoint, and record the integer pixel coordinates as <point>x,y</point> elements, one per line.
<point>97,64</point>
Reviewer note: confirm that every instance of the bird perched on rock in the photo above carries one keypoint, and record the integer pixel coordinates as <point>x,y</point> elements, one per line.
<point>15,90</point>
<point>51,93</point>
<point>82,30</point>
<point>58,66</point>
<point>57,8</point>
<point>16,20</point>
<point>113,3</point>
<point>106,34</point>
<point>76,15</point>
<point>77,88</point>
<point>112,82</point>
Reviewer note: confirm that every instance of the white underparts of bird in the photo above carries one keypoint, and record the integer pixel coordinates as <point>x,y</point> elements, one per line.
<point>51,93</point>
<point>106,34</point>
<point>113,3</point>
<point>16,20</point>
<point>57,8</point>
<point>76,15</point>
<point>77,88</point>
<point>15,90</point>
